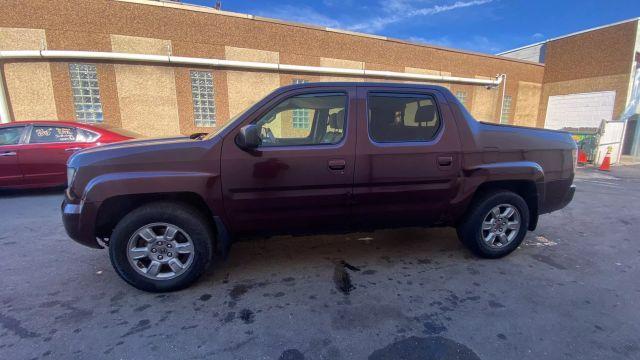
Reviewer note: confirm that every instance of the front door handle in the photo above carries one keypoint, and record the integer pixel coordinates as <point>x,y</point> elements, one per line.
<point>8,153</point>
<point>337,165</point>
<point>445,160</point>
<point>73,149</point>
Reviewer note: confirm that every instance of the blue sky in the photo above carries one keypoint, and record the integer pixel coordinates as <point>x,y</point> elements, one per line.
<point>488,26</point>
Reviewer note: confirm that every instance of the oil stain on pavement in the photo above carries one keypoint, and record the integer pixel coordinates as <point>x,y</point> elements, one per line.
<point>341,277</point>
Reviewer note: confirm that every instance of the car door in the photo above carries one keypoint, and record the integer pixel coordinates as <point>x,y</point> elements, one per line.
<point>407,158</point>
<point>10,139</point>
<point>300,179</point>
<point>43,158</point>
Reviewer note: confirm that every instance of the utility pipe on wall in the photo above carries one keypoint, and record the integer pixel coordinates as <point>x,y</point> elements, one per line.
<point>504,90</point>
<point>220,63</point>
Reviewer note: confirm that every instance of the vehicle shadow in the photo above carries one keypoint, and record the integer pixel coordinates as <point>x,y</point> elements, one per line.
<point>15,193</point>
<point>284,256</point>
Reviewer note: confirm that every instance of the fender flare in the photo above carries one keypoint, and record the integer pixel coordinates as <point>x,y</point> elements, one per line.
<point>475,177</point>
<point>205,185</point>
<point>513,170</point>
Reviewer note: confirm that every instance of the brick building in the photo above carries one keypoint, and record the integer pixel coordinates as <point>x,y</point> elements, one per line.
<point>157,98</point>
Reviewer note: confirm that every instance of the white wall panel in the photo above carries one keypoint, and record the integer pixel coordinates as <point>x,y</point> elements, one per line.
<point>579,110</point>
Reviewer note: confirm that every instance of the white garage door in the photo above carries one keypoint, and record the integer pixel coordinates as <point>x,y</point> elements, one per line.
<point>579,110</point>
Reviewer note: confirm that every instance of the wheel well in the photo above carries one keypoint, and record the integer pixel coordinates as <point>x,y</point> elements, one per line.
<point>525,188</point>
<point>115,208</point>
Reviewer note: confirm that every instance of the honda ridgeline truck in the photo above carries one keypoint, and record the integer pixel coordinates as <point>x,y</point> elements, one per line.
<point>315,158</point>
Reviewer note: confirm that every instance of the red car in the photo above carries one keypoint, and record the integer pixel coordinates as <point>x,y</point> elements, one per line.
<point>33,154</point>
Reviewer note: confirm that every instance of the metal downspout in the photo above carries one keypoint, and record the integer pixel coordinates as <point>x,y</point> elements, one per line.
<point>5,113</point>
<point>504,90</point>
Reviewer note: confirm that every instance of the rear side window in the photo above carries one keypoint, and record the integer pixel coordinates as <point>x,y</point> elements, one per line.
<point>402,118</point>
<point>86,136</point>
<point>11,136</point>
<point>52,134</point>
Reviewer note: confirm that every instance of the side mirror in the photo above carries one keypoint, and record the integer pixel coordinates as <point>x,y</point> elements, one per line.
<point>249,137</point>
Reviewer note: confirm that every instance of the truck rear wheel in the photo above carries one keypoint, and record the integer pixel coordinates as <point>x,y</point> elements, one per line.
<point>161,247</point>
<point>495,224</point>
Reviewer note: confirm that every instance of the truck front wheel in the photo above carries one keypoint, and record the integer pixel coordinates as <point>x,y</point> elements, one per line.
<point>495,224</point>
<point>161,247</point>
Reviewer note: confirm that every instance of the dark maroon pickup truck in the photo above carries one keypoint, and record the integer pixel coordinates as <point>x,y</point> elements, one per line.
<point>315,158</point>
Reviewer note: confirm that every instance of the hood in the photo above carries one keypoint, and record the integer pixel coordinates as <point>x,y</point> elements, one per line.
<point>133,158</point>
<point>140,154</point>
<point>137,142</point>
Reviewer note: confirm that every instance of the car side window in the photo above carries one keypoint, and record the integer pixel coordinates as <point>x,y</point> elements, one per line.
<point>11,136</point>
<point>52,134</point>
<point>309,119</point>
<point>86,136</point>
<point>402,118</point>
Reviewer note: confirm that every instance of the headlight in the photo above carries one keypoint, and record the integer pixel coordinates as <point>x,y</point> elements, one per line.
<point>71,174</point>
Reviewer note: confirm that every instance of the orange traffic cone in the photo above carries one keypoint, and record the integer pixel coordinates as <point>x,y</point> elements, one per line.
<point>606,163</point>
<point>582,157</point>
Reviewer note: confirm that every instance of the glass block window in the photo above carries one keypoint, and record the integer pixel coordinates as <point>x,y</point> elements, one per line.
<point>506,110</point>
<point>86,93</point>
<point>301,117</point>
<point>462,97</point>
<point>204,108</point>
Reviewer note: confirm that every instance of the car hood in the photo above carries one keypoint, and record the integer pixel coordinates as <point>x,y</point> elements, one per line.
<point>139,142</point>
<point>134,155</point>
<point>136,158</point>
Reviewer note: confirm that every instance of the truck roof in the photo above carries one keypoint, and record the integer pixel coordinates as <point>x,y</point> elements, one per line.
<point>364,84</point>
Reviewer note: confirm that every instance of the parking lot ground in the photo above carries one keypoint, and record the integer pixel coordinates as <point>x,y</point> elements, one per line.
<point>569,292</point>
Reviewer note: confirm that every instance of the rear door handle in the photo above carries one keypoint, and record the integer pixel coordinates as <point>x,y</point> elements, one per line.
<point>9,153</point>
<point>337,164</point>
<point>73,149</point>
<point>445,160</point>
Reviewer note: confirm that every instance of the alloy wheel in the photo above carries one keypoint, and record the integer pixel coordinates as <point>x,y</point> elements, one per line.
<point>501,225</point>
<point>160,251</point>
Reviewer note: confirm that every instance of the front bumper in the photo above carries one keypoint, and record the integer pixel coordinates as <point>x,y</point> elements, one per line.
<point>557,195</point>
<point>569,196</point>
<point>79,222</point>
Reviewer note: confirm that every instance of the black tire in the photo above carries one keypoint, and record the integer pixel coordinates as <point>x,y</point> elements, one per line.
<point>470,228</point>
<point>188,219</point>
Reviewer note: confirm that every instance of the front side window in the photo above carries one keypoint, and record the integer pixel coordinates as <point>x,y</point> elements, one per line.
<point>402,118</point>
<point>326,121</point>
<point>204,108</point>
<point>86,93</point>
<point>52,134</point>
<point>11,136</point>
